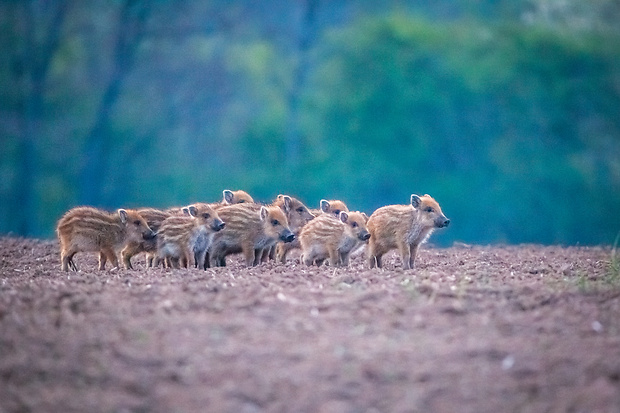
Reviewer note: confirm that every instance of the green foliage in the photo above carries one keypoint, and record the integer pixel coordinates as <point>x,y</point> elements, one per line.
<point>486,119</point>
<point>507,119</point>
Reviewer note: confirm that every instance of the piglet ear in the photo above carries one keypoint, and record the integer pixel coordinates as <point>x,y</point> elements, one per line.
<point>123,214</point>
<point>263,213</point>
<point>343,216</point>
<point>365,216</point>
<point>287,203</point>
<point>415,201</point>
<point>228,196</point>
<point>192,210</point>
<point>324,205</point>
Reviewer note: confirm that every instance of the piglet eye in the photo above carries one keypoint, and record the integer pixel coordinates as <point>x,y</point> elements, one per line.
<point>206,216</point>
<point>241,201</point>
<point>275,222</point>
<point>354,225</point>
<point>337,211</point>
<point>136,222</point>
<point>429,209</point>
<point>300,210</point>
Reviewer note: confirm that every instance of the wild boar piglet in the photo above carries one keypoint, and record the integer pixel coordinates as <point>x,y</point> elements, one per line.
<point>297,215</point>
<point>236,197</point>
<point>185,239</point>
<point>250,229</point>
<point>333,238</point>
<point>88,229</point>
<point>404,227</point>
<point>154,218</point>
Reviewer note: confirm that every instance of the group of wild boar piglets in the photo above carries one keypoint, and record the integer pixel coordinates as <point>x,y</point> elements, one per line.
<point>203,235</point>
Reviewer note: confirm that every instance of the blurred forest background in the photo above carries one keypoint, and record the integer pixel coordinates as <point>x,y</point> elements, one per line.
<point>506,111</point>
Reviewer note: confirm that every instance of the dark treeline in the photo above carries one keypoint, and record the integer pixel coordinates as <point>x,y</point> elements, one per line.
<point>507,112</point>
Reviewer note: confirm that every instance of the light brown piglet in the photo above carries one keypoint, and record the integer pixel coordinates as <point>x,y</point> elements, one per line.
<point>297,215</point>
<point>333,238</point>
<point>154,218</point>
<point>236,197</point>
<point>333,207</point>
<point>325,207</point>
<point>404,227</point>
<point>229,198</point>
<point>185,239</point>
<point>88,229</point>
<point>250,229</point>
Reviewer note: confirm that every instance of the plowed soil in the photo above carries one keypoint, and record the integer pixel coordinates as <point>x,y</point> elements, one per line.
<point>472,329</point>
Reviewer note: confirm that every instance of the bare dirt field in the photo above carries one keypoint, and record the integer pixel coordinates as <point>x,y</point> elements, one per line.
<point>473,329</point>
